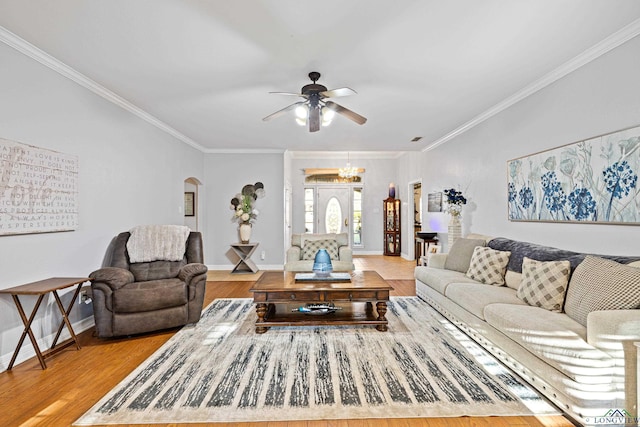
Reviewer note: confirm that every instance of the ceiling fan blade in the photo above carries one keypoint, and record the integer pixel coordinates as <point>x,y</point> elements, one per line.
<point>334,93</point>
<point>281,112</point>
<point>314,119</point>
<point>346,112</point>
<point>286,93</point>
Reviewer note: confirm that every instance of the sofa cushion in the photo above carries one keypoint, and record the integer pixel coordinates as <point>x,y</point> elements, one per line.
<point>460,254</point>
<point>601,284</point>
<point>439,279</point>
<point>488,265</point>
<point>311,247</point>
<point>544,283</point>
<point>475,297</point>
<point>555,338</point>
<point>156,270</point>
<point>512,279</point>
<point>149,296</point>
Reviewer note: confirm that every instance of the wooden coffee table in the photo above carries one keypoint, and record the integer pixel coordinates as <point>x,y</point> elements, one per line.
<point>277,293</point>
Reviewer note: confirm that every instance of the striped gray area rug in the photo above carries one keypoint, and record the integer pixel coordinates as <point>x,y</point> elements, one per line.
<point>220,370</point>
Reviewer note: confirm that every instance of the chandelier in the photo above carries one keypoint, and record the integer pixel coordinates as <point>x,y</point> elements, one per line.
<point>348,172</point>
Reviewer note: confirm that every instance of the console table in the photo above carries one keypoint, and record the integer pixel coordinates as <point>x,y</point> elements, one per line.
<point>244,251</point>
<point>41,289</point>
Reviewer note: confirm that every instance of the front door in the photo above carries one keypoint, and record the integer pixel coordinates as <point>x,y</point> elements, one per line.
<point>333,210</point>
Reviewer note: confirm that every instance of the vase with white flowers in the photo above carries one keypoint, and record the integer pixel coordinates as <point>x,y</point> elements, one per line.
<point>245,213</point>
<point>455,200</point>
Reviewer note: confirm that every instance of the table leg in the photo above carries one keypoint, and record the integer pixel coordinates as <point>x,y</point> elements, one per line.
<point>261,311</point>
<point>369,307</point>
<point>381,307</point>
<point>27,331</point>
<point>65,317</point>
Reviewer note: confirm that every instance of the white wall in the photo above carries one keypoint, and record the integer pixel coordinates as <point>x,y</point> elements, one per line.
<point>130,173</point>
<point>599,98</point>
<point>225,175</point>
<point>375,181</point>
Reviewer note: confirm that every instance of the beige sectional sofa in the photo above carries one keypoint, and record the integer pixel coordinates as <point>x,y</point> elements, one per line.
<point>301,254</point>
<point>581,356</point>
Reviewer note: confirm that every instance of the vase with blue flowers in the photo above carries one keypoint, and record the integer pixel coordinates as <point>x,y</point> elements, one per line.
<point>455,200</point>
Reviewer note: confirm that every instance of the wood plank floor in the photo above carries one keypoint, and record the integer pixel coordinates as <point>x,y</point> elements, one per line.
<point>76,380</point>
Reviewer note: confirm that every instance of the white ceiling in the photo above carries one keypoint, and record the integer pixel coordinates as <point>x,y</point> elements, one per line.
<point>202,69</point>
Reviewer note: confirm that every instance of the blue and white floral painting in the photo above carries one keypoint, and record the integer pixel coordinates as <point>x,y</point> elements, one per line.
<point>591,181</point>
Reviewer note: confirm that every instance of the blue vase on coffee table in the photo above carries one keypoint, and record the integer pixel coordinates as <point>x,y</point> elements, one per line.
<point>322,264</point>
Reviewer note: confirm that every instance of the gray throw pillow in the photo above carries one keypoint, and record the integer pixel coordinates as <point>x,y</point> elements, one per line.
<point>460,253</point>
<point>601,284</point>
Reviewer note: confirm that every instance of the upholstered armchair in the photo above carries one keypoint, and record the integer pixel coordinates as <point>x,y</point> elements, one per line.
<point>303,249</point>
<point>131,298</point>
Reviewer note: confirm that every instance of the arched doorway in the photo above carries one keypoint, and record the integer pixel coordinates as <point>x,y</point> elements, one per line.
<point>192,203</point>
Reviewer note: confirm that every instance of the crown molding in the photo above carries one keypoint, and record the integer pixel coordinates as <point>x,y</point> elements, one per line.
<point>242,151</point>
<point>26,48</point>
<point>615,40</point>
<point>343,154</point>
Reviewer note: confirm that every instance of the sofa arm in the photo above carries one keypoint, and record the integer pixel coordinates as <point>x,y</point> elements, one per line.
<point>113,277</point>
<point>189,271</point>
<point>345,253</point>
<point>613,331</point>
<point>436,260</point>
<point>293,254</point>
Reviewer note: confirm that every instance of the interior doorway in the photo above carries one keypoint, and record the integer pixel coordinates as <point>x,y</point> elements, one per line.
<point>192,203</point>
<point>415,219</point>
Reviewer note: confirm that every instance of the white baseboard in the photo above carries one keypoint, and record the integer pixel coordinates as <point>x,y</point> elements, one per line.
<point>27,351</point>
<point>368,253</point>
<point>261,267</point>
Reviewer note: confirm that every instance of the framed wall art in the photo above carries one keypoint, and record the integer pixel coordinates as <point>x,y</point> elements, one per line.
<point>589,181</point>
<point>38,189</point>
<point>189,203</point>
<point>434,202</point>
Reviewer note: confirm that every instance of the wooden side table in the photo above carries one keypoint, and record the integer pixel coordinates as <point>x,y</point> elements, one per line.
<point>421,248</point>
<point>244,251</point>
<point>41,289</point>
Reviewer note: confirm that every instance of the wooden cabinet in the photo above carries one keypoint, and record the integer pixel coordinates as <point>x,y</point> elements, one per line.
<point>391,226</point>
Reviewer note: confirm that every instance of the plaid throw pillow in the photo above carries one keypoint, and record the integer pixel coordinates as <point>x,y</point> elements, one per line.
<point>544,284</point>
<point>601,284</point>
<point>488,265</point>
<point>311,247</point>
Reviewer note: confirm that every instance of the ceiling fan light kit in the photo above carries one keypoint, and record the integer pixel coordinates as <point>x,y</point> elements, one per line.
<point>315,110</point>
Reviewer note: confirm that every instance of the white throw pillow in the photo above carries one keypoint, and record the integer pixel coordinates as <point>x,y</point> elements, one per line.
<point>311,247</point>
<point>544,284</point>
<point>601,284</point>
<point>488,265</point>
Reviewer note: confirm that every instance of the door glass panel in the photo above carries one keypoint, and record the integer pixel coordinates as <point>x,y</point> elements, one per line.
<point>333,216</point>
<point>309,219</point>
<point>357,216</point>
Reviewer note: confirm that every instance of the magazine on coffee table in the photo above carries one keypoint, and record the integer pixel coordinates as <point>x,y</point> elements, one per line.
<point>332,277</point>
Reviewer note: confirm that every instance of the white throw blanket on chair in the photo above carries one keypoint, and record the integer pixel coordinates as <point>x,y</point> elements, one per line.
<point>157,242</point>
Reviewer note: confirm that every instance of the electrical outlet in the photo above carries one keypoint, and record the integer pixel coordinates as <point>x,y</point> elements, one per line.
<point>263,255</point>
<point>84,297</point>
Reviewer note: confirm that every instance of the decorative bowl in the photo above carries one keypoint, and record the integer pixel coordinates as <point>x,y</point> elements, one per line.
<point>426,235</point>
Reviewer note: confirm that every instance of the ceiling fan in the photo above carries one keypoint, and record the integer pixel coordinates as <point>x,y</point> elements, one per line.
<point>316,109</point>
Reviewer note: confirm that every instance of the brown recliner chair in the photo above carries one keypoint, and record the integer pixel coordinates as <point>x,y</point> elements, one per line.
<point>132,298</point>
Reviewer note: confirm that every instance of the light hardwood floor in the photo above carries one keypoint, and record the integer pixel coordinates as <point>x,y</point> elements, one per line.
<point>76,380</point>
